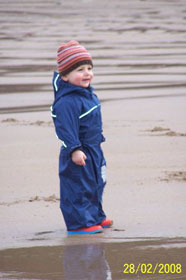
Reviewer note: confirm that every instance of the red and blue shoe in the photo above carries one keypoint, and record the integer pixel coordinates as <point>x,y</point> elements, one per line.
<point>107,223</point>
<point>88,230</point>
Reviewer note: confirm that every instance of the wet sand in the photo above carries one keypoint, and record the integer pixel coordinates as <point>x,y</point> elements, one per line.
<point>139,51</point>
<point>95,260</point>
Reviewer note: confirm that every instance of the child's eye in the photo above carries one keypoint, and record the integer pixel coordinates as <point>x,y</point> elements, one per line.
<point>80,69</point>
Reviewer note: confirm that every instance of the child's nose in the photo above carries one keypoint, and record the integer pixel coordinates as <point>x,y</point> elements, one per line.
<point>87,72</point>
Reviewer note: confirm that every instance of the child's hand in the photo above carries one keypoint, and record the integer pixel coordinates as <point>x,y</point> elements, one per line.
<point>78,157</point>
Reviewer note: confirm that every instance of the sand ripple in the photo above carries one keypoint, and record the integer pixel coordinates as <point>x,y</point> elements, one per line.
<point>139,48</point>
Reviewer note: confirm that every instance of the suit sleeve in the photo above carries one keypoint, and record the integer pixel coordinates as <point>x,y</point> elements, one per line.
<point>66,119</point>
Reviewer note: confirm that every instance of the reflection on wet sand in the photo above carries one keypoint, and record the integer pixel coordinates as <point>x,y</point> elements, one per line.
<point>86,261</point>
<point>97,261</point>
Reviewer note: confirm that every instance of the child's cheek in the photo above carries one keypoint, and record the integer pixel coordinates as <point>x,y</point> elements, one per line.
<point>78,78</point>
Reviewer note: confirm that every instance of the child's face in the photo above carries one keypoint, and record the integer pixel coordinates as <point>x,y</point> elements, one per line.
<point>80,76</point>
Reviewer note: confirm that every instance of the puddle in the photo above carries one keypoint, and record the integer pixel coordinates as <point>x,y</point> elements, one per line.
<point>154,259</point>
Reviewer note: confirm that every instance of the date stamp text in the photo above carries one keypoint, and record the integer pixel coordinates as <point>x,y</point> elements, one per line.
<point>148,268</point>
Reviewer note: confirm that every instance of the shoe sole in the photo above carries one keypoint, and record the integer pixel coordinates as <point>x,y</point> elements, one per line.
<point>107,226</point>
<point>84,232</point>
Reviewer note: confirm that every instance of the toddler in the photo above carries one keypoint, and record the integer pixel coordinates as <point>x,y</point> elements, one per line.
<point>77,118</point>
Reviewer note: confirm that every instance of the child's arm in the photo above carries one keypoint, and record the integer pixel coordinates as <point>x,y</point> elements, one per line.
<point>66,114</point>
<point>78,157</point>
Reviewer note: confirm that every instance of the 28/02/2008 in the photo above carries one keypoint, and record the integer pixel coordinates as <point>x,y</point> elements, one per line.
<point>149,268</point>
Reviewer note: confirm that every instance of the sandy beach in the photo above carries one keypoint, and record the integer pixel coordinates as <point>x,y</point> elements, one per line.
<point>139,54</point>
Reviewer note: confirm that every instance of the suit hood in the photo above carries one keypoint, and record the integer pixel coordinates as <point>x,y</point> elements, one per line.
<point>62,88</point>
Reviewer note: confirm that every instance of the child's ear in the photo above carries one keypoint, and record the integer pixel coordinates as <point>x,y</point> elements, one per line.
<point>65,78</point>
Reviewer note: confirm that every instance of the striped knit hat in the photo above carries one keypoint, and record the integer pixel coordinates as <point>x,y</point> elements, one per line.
<point>70,56</point>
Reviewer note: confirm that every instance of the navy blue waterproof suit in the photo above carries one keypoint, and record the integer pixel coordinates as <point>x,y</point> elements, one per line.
<point>77,118</point>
